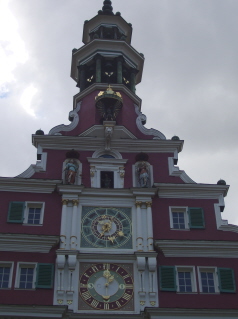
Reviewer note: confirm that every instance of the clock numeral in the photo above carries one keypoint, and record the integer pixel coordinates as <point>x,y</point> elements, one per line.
<point>126,296</point>
<point>118,304</point>
<point>94,303</point>
<point>126,276</point>
<point>86,295</point>
<point>121,286</point>
<point>129,286</point>
<point>94,268</point>
<point>106,306</point>
<point>105,266</point>
<point>117,269</point>
<point>86,275</point>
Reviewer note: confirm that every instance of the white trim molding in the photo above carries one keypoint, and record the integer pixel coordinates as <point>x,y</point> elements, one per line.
<point>175,171</point>
<point>142,119</point>
<point>222,224</point>
<point>202,191</point>
<point>40,166</point>
<point>181,313</point>
<point>15,184</point>
<point>33,311</point>
<point>197,248</point>
<point>27,243</point>
<point>66,128</point>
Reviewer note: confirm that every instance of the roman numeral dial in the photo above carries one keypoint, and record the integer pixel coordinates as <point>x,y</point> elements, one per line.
<point>106,286</point>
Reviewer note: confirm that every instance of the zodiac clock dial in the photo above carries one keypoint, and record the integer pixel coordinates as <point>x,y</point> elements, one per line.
<point>106,228</point>
<point>106,286</point>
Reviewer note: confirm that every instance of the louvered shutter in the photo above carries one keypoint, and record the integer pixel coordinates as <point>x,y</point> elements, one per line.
<point>44,275</point>
<point>226,280</point>
<point>167,278</point>
<point>196,217</point>
<point>16,212</point>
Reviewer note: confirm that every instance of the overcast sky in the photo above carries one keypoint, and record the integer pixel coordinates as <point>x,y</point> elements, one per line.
<point>189,86</point>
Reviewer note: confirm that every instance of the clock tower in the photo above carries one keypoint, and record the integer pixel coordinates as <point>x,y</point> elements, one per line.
<point>106,262</point>
<point>105,223</point>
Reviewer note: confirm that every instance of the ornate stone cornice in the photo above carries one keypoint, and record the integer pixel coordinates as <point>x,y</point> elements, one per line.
<point>22,311</point>
<point>173,313</point>
<point>27,243</point>
<point>197,248</point>
<point>121,145</point>
<point>206,191</point>
<point>15,184</point>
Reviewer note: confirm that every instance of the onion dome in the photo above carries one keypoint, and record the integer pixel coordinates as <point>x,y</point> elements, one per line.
<point>175,138</point>
<point>109,103</point>
<point>40,132</point>
<point>72,154</point>
<point>142,157</point>
<point>221,182</point>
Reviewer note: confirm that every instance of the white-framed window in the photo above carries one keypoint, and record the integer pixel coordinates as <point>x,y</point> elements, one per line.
<point>178,217</point>
<point>6,275</point>
<point>208,280</point>
<point>25,275</point>
<point>179,279</point>
<point>107,172</point>
<point>34,275</point>
<point>185,278</point>
<point>28,213</point>
<point>184,218</point>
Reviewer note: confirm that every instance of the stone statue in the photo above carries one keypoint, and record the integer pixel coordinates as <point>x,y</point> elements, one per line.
<point>70,171</point>
<point>143,175</point>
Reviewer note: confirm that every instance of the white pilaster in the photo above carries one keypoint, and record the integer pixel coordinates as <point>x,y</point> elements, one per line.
<point>139,234</point>
<point>149,227</point>
<point>63,224</point>
<point>74,227</point>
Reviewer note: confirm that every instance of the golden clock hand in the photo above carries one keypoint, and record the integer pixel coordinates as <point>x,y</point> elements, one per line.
<point>106,227</point>
<point>112,238</point>
<point>121,234</point>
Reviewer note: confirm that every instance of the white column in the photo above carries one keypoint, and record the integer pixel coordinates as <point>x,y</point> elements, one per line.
<point>73,237</point>
<point>139,238</point>
<point>149,227</point>
<point>63,224</point>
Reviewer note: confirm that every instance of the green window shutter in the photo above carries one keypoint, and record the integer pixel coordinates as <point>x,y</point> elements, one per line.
<point>226,280</point>
<point>16,212</point>
<point>196,217</point>
<point>44,275</point>
<point>167,278</point>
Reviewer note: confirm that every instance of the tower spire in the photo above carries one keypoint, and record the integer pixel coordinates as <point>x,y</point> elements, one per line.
<point>107,8</point>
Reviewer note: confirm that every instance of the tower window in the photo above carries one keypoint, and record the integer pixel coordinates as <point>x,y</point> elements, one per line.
<point>107,179</point>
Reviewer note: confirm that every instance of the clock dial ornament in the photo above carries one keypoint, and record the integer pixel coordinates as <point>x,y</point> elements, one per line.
<point>106,286</point>
<point>106,228</point>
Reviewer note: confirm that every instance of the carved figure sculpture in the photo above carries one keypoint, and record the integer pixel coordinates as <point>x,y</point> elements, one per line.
<point>143,175</point>
<point>108,135</point>
<point>70,172</point>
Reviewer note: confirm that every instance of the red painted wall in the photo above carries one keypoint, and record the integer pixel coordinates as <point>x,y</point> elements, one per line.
<point>89,116</point>
<point>161,222</point>
<point>198,300</point>
<point>16,296</point>
<point>55,159</point>
<point>52,213</point>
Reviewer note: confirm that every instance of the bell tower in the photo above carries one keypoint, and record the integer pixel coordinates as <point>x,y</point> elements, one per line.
<point>107,56</point>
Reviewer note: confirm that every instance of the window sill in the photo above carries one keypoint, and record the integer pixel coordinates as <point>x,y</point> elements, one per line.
<point>185,229</point>
<point>32,225</point>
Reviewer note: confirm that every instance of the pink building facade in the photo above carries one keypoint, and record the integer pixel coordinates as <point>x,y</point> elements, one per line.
<point>105,223</point>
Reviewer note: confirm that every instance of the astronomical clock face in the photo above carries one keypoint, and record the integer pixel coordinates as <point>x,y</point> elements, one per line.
<point>106,228</point>
<point>106,286</point>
